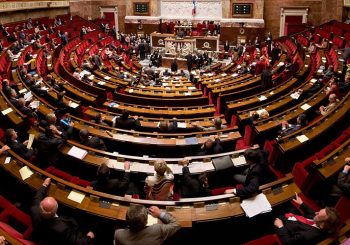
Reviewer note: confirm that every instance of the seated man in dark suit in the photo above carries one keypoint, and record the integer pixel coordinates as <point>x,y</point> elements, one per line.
<point>49,228</point>
<point>56,130</point>
<point>190,186</point>
<point>311,229</point>
<point>211,147</point>
<point>113,186</point>
<point>91,141</point>
<point>18,147</point>
<point>258,173</point>
<point>125,122</point>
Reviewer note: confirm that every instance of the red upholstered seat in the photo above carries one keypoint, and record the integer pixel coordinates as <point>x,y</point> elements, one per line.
<point>271,239</point>
<point>325,151</point>
<point>342,207</point>
<point>247,140</point>
<point>220,191</point>
<point>16,222</point>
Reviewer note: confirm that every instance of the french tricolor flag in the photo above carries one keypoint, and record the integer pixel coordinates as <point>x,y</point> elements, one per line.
<point>194,8</point>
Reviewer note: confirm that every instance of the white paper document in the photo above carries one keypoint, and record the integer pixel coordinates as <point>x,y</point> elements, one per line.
<point>34,104</point>
<point>181,125</point>
<point>295,95</point>
<point>73,104</point>
<point>25,172</point>
<point>76,196</point>
<point>305,107</point>
<point>238,161</point>
<point>7,111</point>
<point>22,91</point>
<point>107,77</point>
<point>191,88</point>
<point>151,220</point>
<point>7,160</point>
<point>30,141</point>
<point>256,205</point>
<point>302,138</point>
<point>28,96</point>
<point>262,97</point>
<point>77,152</point>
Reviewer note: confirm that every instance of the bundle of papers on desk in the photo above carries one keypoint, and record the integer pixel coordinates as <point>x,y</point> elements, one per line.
<point>77,152</point>
<point>256,205</point>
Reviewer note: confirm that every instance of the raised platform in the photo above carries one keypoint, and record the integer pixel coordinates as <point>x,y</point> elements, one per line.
<point>181,63</point>
<point>205,43</point>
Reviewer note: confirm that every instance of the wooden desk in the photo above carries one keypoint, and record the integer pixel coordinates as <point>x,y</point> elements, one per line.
<point>60,189</point>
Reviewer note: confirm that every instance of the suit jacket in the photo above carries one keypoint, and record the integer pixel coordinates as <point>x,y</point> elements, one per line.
<point>94,142</point>
<point>251,184</point>
<point>113,186</point>
<point>191,187</point>
<point>266,79</point>
<point>20,149</point>
<point>57,230</point>
<point>217,148</point>
<point>174,67</point>
<point>344,182</point>
<point>129,123</point>
<point>154,234</point>
<point>295,232</point>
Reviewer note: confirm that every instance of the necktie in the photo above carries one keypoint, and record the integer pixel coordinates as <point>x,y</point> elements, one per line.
<point>300,218</point>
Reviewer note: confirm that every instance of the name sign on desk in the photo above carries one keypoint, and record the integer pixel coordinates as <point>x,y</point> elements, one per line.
<point>7,111</point>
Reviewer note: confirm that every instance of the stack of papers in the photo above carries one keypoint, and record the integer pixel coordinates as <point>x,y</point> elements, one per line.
<point>256,205</point>
<point>187,93</point>
<point>77,152</point>
<point>107,77</point>
<point>234,75</point>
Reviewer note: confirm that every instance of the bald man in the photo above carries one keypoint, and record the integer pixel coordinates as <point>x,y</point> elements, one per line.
<point>49,228</point>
